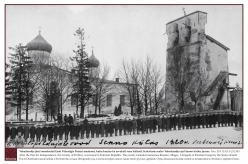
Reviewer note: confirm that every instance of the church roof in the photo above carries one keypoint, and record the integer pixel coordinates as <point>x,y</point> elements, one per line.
<point>39,44</point>
<point>216,42</point>
<point>186,16</point>
<point>93,61</point>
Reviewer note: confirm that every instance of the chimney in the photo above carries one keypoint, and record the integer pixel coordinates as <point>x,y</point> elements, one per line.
<point>117,79</point>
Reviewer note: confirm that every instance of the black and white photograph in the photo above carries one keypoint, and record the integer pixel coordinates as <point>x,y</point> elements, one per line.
<point>123,76</point>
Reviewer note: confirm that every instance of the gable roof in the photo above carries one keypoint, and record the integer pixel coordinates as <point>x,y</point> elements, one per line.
<point>216,42</point>
<point>186,16</point>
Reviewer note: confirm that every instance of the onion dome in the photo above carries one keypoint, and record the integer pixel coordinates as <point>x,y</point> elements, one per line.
<point>39,44</point>
<point>93,61</point>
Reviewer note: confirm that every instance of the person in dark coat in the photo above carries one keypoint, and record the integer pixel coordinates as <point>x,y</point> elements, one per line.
<point>175,122</point>
<point>219,119</point>
<point>147,125</point>
<point>203,119</point>
<point>7,133</point>
<point>20,129</point>
<point>192,121</point>
<point>102,125</point>
<point>111,128</point>
<point>231,118</point>
<point>129,126</point>
<point>134,125</point>
<point>125,126</point>
<point>61,132</point>
<point>187,119</point>
<point>235,119</point>
<point>154,127</point>
<point>116,123</point>
<point>70,119</point>
<point>168,123</point>
<point>98,129</point>
<point>198,118</point>
<point>66,130</point>
<point>66,119</point>
<point>32,132</point>
<point>38,133</point>
<point>26,132</point>
<point>143,126</point>
<point>179,122</point>
<point>210,120</point>
<point>77,131</point>
<point>88,129</point>
<point>138,125</point>
<point>214,117</point>
<point>106,128</point>
<point>85,121</point>
<point>13,133</point>
<point>44,132</point>
<point>171,122</point>
<point>240,119</point>
<point>72,131</point>
<point>195,121</point>
<point>50,132</point>
<point>207,120</point>
<point>150,124</point>
<point>183,122</point>
<point>92,129</point>
<point>82,130</point>
<point>228,119</point>
<point>159,123</point>
<point>222,119</point>
<point>163,123</point>
<point>120,127</point>
<point>56,132</point>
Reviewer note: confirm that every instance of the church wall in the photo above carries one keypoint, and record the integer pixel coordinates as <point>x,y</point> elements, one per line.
<point>186,36</point>
<point>213,60</point>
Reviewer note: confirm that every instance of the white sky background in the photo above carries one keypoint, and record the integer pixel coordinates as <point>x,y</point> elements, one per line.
<point>122,31</point>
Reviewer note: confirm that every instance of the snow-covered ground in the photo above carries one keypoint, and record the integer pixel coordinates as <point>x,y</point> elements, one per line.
<point>210,137</point>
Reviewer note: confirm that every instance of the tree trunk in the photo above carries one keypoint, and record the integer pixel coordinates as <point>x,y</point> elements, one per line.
<point>138,102</point>
<point>19,106</point>
<point>82,107</point>
<point>27,102</point>
<point>195,105</point>
<point>99,104</point>
<point>131,106</point>
<point>77,105</point>
<point>146,103</point>
<point>96,103</point>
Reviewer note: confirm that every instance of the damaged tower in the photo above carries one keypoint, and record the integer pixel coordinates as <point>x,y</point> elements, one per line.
<point>197,74</point>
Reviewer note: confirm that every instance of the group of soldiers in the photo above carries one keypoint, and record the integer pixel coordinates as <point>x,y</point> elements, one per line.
<point>90,129</point>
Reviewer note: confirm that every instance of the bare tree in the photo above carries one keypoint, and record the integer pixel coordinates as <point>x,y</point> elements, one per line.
<point>128,72</point>
<point>198,86</point>
<point>55,85</point>
<point>101,85</point>
<point>157,86</point>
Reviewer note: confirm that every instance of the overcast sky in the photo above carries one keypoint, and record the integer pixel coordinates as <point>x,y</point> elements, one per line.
<point>118,31</point>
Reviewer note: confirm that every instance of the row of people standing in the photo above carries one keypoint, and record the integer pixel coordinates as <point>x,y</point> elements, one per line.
<point>119,127</point>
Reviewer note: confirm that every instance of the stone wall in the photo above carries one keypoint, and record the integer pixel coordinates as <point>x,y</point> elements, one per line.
<point>186,37</point>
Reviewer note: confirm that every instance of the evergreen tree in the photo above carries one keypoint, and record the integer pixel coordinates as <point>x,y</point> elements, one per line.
<point>81,86</point>
<point>116,111</point>
<point>19,84</point>
<point>119,110</point>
